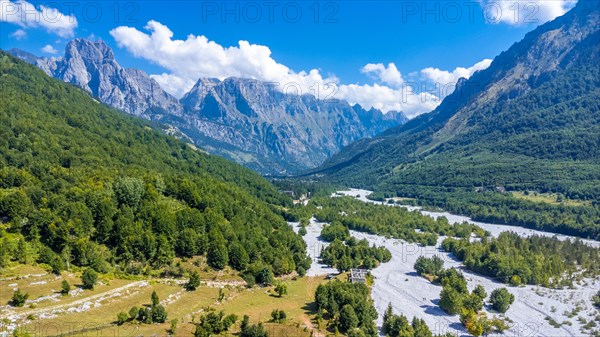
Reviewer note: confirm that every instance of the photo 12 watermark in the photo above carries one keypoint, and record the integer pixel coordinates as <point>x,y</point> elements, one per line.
<point>270,11</point>
<point>70,12</point>
<point>492,11</point>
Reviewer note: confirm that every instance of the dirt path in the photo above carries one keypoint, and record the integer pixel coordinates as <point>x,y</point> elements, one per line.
<point>76,302</point>
<point>106,294</point>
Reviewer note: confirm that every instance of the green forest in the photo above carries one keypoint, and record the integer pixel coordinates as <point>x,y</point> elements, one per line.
<point>545,141</point>
<point>532,260</point>
<point>510,258</point>
<point>84,185</point>
<point>396,222</point>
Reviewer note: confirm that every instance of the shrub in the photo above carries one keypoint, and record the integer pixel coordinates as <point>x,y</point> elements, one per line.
<point>158,314</point>
<point>122,317</point>
<point>278,316</point>
<point>193,282</point>
<point>65,287</point>
<point>19,298</point>
<point>89,278</point>
<point>254,331</point>
<point>134,312</point>
<point>501,299</point>
<point>281,289</point>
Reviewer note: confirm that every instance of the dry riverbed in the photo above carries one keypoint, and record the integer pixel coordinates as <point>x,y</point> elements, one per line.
<point>396,282</point>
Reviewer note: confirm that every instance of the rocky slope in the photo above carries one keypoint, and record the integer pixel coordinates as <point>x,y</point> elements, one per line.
<point>274,132</point>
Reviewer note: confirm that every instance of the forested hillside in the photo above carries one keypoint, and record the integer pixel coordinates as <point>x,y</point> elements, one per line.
<point>528,123</point>
<point>82,184</point>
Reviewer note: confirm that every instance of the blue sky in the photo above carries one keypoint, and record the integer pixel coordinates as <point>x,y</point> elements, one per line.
<point>351,43</point>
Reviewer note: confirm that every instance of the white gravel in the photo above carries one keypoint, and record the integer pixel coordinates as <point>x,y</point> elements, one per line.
<point>494,229</point>
<point>314,246</point>
<point>397,283</point>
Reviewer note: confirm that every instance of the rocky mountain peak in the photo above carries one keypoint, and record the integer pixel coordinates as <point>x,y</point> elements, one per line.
<point>91,65</point>
<point>92,51</point>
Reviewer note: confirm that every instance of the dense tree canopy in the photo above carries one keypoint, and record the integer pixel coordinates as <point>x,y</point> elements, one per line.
<point>351,301</point>
<point>532,260</point>
<point>86,185</point>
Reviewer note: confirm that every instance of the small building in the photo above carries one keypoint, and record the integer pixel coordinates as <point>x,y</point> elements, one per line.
<point>358,276</point>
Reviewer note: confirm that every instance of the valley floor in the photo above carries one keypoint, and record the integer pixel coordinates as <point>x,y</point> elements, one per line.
<point>537,311</point>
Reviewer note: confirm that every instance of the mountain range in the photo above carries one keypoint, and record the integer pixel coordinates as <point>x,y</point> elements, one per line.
<point>529,122</point>
<point>245,120</point>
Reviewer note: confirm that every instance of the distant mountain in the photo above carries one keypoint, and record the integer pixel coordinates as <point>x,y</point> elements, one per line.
<point>242,119</point>
<point>92,66</point>
<point>531,121</point>
<point>273,132</point>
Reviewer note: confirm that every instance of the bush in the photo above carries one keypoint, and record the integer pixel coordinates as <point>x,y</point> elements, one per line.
<point>144,316</point>
<point>228,321</point>
<point>19,298</point>
<point>193,282</point>
<point>480,291</point>
<point>596,300</point>
<point>134,312</point>
<point>515,281</point>
<point>173,327</point>
<point>89,278</point>
<point>281,289</point>
<point>158,314</point>
<point>122,317</point>
<point>257,330</point>
<point>302,231</point>
<point>65,287</point>
<point>278,316</point>
<point>429,266</point>
<point>213,323</point>
<point>501,299</point>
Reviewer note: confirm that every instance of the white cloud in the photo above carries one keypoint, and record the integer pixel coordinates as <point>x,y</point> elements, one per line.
<point>19,34</point>
<point>444,77</point>
<point>518,12</point>
<point>174,84</point>
<point>188,60</point>
<point>389,75</point>
<point>403,99</point>
<point>26,15</point>
<point>196,57</point>
<point>49,49</point>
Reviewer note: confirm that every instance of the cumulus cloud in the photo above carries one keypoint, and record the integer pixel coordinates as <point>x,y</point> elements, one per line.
<point>27,16</point>
<point>444,77</point>
<point>518,12</point>
<point>445,81</point>
<point>19,34</point>
<point>389,75</point>
<point>185,61</point>
<point>196,56</point>
<point>49,49</point>
<point>404,99</point>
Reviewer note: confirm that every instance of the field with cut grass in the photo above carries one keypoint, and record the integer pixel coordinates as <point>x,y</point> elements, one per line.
<point>549,198</point>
